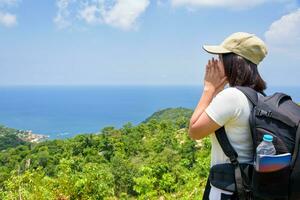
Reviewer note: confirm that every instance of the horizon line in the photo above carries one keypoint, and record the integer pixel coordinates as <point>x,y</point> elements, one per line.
<point>120,85</point>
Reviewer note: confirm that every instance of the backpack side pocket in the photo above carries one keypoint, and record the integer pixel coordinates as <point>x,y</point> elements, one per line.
<point>271,185</point>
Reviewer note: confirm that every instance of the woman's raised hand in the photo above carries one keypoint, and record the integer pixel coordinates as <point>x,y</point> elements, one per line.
<point>215,79</point>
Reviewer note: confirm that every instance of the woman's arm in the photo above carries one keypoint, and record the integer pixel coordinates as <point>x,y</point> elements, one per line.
<point>201,124</point>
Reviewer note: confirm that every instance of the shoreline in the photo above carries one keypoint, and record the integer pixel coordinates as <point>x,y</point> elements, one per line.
<point>28,136</point>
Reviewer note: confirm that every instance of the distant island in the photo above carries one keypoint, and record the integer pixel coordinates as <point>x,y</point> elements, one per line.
<point>152,160</point>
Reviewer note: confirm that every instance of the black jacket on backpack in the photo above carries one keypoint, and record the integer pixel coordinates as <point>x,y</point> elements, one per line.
<point>278,116</point>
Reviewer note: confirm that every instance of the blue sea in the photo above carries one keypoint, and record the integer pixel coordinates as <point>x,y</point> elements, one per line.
<point>64,111</point>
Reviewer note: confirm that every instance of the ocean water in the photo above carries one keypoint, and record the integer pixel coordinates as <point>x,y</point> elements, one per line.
<point>64,111</point>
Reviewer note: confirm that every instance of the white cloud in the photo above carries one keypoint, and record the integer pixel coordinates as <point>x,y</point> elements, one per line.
<point>8,19</point>
<point>90,14</point>
<point>284,34</point>
<point>122,14</point>
<point>61,18</point>
<point>235,4</point>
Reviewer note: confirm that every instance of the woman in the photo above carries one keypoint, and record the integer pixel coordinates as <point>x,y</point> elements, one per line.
<point>239,56</point>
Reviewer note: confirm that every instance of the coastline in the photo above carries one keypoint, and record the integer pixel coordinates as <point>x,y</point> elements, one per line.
<point>63,112</point>
<point>28,136</point>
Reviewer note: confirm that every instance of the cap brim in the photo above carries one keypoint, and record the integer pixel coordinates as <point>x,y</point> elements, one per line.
<point>214,49</point>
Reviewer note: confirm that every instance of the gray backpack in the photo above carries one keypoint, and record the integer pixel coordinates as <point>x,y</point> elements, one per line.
<point>278,116</point>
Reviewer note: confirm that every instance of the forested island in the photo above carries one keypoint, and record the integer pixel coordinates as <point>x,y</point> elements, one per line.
<point>152,160</point>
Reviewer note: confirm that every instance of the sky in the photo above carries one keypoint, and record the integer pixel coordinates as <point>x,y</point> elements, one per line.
<point>139,42</point>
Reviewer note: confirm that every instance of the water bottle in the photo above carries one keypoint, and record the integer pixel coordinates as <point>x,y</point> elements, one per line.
<point>266,147</point>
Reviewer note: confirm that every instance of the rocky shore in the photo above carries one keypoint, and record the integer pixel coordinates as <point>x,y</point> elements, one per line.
<point>28,136</point>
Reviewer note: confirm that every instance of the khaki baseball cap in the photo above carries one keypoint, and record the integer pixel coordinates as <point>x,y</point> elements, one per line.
<point>244,44</point>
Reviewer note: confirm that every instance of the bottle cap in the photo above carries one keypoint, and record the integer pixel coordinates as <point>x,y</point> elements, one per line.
<point>268,138</point>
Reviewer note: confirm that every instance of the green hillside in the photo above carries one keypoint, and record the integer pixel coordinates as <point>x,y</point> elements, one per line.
<point>153,160</point>
<point>176,115</point>
<point>9,137</point>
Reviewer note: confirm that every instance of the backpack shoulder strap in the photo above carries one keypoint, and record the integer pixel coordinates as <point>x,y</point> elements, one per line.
<point>250,93</point>
<point>206,190</point>
<point>226,146</point>
<point>296,148</point>
<point>231,153</point>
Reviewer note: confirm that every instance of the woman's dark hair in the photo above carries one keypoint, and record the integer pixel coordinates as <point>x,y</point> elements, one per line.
<point>242,72</point>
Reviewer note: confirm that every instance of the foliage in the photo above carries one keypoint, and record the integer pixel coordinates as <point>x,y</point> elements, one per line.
<point>178,115</point>
<point>9,138</point>
<point>153,160</point>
